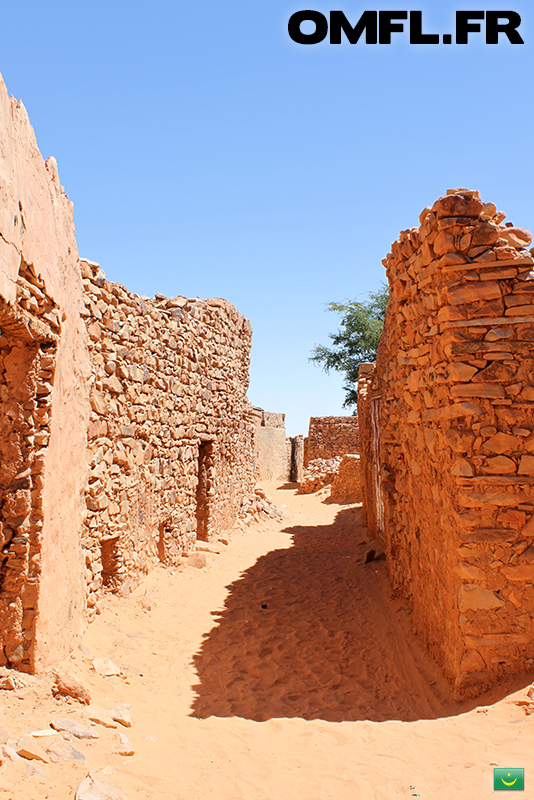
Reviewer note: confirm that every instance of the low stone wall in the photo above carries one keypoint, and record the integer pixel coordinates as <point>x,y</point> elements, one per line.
<point>319,473</point>
<point>454,450</point>
<point>171,434</point>
<point>347,484</point>
<point>329,437</point>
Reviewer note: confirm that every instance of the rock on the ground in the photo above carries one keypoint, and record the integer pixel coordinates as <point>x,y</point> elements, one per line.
<point>123,747</point>
<point>122,713</point>
<point>28,747</point>
<point>207,547</point>
<point>69,686</point>
<point>32,771</point>
<point>148,601</point>
<point>197,560</point>
<point>106,667</point>
<point>70,726</point>
<point>98,786</point>
<point>101,717</point>
<point>63,751</point>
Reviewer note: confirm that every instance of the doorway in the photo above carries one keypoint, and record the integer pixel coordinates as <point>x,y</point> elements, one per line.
<point>203,495</point>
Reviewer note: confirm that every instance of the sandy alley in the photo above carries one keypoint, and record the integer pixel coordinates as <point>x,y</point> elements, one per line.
<point>285,669</point>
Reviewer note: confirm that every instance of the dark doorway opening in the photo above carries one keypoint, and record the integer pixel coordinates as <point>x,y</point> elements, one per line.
<point>205,480</point>
<point>109,550</point>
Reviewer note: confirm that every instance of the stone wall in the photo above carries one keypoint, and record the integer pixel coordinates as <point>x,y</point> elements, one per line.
<point>368,446</point>
<point>171,433</point>
<point>453,394</point>
<point>329,437</point>
<point>125,430</point>
<point>347,485</point>
<point>44,407</point>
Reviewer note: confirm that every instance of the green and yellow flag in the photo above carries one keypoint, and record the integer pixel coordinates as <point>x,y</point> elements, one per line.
<point>508,780</point>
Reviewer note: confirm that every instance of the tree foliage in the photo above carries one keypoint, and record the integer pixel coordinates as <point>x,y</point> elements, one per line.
<point>356,341</point>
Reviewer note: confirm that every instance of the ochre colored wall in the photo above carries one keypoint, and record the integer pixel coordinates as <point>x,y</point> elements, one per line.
<point>455,378</point>
<point>39,255</point>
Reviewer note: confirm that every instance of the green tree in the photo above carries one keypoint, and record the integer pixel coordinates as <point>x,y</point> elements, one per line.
<point>356,340</point>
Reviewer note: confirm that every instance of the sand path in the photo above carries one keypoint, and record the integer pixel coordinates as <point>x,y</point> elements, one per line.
<point>284,670</point>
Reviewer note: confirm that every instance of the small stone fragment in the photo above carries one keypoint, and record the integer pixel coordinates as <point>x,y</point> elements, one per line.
<point>97,786</point>
<point>28,747</point>
<point>63,751</point>
<point>207,547</point>
<point>526,465</point>
<point>123,747</point>
<point>70,726</point>
<point>473,597</point>
<point>101,717</point>
<point>197,560</point>
<point>148,601</point>
<point>69,686</point>
<point>105,667</point>
<point>472,661</point>
<point>32,771</point>
<point>122,713</point>
<point>517,237</point>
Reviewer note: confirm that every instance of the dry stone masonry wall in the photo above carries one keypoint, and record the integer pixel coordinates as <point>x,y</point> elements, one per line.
<point>125,430</point>
<point>448,418</point>
<point>171,433</point>
<point>28,342</point>
<point>329,437</point>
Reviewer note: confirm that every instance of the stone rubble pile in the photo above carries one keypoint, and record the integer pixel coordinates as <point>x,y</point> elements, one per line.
<point>257,506</point>
<point>449,410</point>
<point>319,472</point>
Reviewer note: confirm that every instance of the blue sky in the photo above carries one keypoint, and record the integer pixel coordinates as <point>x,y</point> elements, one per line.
<point>209,155</point>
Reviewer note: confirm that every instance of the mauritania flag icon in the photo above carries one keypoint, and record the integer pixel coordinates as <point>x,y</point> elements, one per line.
<point>508,780</point>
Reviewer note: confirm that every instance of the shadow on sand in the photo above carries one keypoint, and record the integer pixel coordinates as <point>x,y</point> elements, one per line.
<point>312,632</point>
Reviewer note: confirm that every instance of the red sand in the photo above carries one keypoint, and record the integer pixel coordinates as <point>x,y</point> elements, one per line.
<point>284,670</point>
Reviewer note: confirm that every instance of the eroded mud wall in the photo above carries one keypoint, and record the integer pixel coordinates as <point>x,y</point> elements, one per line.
<point>273,448</point>
<point>454,385</point>
<point>44,407</point>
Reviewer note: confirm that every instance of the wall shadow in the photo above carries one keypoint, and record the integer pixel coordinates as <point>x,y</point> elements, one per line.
<point>313,632</point>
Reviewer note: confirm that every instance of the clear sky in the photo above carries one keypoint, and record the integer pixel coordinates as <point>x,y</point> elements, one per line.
<point>207,154</point>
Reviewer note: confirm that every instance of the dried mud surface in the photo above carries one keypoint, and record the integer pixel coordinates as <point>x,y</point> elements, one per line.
<point>284,669</point>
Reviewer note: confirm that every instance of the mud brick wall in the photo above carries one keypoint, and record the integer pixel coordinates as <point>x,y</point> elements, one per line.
<point>454,385</point>
<point>329,437</point>
<point>171,433</point>
<point>44,408</point>
<point>274,450</point>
